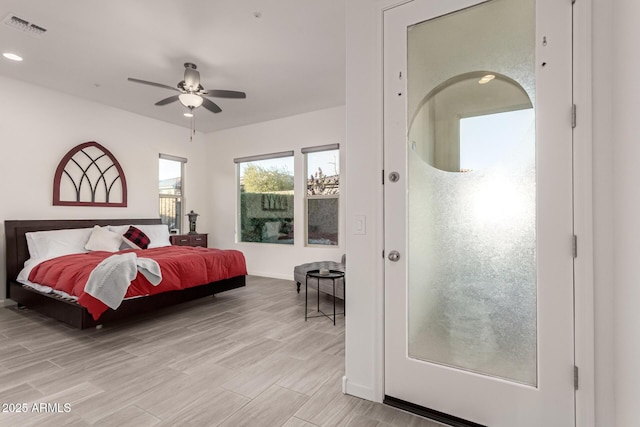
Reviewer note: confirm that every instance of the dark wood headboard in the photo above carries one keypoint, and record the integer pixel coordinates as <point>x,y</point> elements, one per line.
<point>16,242</point>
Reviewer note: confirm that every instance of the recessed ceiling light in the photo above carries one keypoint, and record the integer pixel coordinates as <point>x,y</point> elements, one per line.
<point>12,56</point>
<point>486,79</point>
<point>188,114</point>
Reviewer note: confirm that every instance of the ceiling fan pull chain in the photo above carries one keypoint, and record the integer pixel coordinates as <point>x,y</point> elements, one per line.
<point>193,128</point>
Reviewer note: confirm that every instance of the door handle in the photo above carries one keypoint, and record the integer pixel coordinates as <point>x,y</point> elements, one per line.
<point>394,256</point>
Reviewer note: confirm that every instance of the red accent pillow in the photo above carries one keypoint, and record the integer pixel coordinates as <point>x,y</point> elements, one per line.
<point>135,238</point>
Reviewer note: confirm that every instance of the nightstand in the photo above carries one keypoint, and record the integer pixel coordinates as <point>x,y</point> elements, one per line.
<point>188,240</point>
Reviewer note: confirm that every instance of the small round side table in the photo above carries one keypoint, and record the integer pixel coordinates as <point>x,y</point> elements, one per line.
<point>333,275</point>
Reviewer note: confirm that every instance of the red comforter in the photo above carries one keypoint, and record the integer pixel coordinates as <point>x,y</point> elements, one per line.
<point>181,266</point>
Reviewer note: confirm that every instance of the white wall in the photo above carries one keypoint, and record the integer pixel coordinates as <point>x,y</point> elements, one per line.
<point>605,395</point>
<point>616,210</point>
<point>38,127</point>
<point>625,141</point>
<point>364,322</point>
<point>291,133</point>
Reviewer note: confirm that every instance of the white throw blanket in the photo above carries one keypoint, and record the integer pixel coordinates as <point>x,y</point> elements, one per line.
<point>110,280</point>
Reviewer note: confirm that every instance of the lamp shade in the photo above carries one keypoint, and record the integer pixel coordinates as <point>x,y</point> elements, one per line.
<point>190,100</point>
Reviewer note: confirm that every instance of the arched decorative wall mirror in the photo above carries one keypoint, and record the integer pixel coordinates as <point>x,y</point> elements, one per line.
<point>470,121</point>
<point>89,175</point>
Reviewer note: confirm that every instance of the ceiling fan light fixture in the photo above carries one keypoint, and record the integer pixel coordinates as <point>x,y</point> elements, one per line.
<point>190,100</point>
<point>188,114</point>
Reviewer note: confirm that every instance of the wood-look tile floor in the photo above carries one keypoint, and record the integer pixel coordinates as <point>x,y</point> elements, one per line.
<point>245,357</point>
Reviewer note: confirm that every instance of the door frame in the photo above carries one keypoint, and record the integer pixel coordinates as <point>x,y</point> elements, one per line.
<point>584,320</point>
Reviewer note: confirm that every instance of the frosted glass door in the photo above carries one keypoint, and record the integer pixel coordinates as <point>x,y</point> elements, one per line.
<point>472,193</point>
<point>479,297</point>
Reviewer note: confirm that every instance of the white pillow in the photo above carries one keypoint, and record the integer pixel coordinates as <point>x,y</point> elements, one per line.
<point>103,239</point>
<point>158,233</point>
<point>55,243</point>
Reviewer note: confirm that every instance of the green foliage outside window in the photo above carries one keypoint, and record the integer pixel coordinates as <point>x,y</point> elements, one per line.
<point>259,179</point>
<point>266,201</point>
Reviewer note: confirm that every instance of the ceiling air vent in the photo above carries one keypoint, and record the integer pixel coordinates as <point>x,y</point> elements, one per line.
<point>24,25</point>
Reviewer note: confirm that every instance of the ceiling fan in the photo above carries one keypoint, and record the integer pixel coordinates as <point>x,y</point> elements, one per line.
<point>192,94</point>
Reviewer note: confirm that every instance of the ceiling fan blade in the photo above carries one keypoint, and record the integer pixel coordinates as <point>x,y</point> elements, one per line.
<point>168,100</point>
<point>211,106</point>
<point>226,94</point>
<point>144,82</point>
<point>191,78</point>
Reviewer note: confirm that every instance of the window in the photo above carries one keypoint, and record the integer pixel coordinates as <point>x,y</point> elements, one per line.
<point>265,184</point>
<point>170,189</point>
<point>322,194</point>
<point>488,138</point>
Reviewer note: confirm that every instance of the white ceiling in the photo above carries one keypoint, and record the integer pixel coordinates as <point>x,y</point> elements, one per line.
<point>289,60</point>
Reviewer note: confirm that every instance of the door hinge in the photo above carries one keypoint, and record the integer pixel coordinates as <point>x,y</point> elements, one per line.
<point>574,246</point>
<point>574,118</point>
<point>576,379</point>
<point>383,254</point>
<point>573,1</point>
<point>382,176</point>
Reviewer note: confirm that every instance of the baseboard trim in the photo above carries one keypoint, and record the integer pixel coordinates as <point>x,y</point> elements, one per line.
<point>431,414</point>
<point>271,275</point>
<point>358,390</point>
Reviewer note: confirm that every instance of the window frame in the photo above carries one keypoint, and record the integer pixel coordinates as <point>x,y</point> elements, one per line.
<point>249,159</point>
<point>180,222</point>
<point>307,197</point>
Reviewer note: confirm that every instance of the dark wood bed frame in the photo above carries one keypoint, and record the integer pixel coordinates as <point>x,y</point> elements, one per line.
<point>73,313</point>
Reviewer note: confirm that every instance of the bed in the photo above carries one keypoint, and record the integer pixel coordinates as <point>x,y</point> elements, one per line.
<point>71,312</point>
